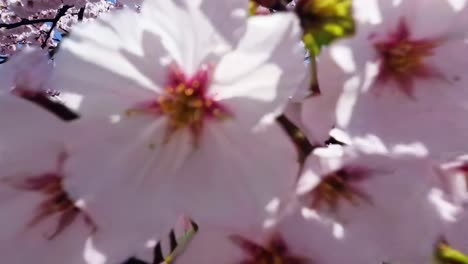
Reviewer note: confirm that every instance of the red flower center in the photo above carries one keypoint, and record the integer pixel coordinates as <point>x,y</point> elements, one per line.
<point>56,200</point>
<point>402,58</point>
<point>186,103</point>
<point>274,252</point>
<point>338,186</point>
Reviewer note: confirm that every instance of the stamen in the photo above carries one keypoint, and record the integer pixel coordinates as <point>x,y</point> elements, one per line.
<point>185,103</point>
<point>275,251</point>
<point>339,186</point>
<point>56,200</point>
<point>402,58</point>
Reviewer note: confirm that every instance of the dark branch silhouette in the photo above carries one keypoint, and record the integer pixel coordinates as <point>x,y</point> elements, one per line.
<point>25,22</point>
<point>60,13</point>
<point>81,13</point>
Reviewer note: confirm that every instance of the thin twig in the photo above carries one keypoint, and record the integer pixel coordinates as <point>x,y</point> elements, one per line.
<point>60,13</point>
<point>81,13</point>
<point>303,145</point>
<point>25,22</point>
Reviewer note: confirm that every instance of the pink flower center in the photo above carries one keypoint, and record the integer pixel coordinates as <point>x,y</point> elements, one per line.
<point>338,186</point>
<point>186,103</point>
<point>402,58</point>
<point>56,201</point>
<point>274,252</point>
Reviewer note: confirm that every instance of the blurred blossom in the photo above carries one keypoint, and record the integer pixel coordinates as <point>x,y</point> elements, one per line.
<point>401,76</point>
<point>382,202</point>
<point>27,71</point>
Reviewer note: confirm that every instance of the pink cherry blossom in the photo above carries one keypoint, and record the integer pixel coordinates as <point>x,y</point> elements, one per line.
<point>27,70</point>
<point>34,23</point>
<point>43,210</point>
<point>190,104</point>
<point>400,77</point>
<point>382,202</point>
<point>294,239</point>
<point>41,221</point>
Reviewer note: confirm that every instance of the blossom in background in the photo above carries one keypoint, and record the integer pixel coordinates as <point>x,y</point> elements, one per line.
<point>28,71</point>
<point>401,77</point>
<point>41,208</point>
<point>41,23</point>
<point>380,202</point>
<point>293,239</point>
<point>41,220</point>
<point>178,110</point>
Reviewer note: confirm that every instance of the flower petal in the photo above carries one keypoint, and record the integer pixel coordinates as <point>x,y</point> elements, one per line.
<point>108,62</point>
<point>202,29</point>
<point>264,71</point>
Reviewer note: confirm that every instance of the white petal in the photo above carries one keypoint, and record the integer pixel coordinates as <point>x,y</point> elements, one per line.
<point>242,177</point>
<point>194,31</point>
<point>211,245</point>
<point>314,240</point>
<point>112,62</point>
<point>28,69</point>
<point>25,125</point>
<point>31,143</point>
<point>264,71</point>
<point>396,222</point>
<point>227,175</point>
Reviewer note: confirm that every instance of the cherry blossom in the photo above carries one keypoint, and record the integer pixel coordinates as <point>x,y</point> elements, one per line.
<point>237,131</point>
<point>27,70</point>
<point>190,102</point>
<point>294,239</point>
<point>381,202</point>
<point>400,77</point>
<point>43,210</point>
<point>37,23</point>
<point>41,221</point>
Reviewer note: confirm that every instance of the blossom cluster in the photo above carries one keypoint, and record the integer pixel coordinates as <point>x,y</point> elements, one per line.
<point>42,22</point>
<point>268,131</point>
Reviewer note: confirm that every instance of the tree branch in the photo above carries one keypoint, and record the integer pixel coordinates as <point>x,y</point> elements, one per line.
<point>25,22</point>
<point>303,146</point>
<point>81,13</point>
<point>60,13</point>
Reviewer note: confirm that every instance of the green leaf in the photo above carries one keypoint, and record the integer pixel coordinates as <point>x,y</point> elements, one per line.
<point>444,254</point>
<point>324,21</point>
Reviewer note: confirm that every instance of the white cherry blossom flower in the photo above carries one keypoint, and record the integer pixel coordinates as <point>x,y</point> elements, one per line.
<point>41,220</point>
<point>192,90</point>
<point>44,218</point>
<point>382,202</point>
<point>295,239</point>
<point>401,77</point>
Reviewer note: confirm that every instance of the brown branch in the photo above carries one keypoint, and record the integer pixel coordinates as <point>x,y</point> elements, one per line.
<point>303,146</point>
